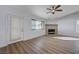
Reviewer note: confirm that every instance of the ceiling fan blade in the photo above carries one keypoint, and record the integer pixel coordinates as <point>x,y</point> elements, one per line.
<point>49,12</point>
<point>48,9</point>
<point>53,6</point>
<point>57,6</point>
<point>59,10</point>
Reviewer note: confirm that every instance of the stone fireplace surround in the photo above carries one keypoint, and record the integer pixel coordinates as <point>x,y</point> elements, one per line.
<point>51,29</point>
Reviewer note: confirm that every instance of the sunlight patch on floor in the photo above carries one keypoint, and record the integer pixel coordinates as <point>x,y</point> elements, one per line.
<point>66,38</point>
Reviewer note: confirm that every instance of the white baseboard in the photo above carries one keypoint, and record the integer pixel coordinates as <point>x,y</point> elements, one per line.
<point>10,42</point>
<point>25,39</point>
<point>4,45</point>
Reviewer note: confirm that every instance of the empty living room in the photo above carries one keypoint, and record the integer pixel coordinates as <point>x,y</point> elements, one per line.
<point>39,29</point>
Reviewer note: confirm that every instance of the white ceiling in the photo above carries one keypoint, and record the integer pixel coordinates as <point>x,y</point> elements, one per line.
<point>40,10</point>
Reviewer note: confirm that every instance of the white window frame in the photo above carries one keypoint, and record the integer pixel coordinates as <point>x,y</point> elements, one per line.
<point>37,25</point>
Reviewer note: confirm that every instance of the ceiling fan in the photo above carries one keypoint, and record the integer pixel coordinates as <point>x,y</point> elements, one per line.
<point>54,8</point>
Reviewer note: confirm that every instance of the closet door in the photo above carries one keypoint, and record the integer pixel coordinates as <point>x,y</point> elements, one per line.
<point>16,28</point>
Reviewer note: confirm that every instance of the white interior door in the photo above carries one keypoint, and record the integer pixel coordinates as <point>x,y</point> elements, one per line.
<point>16,28</point>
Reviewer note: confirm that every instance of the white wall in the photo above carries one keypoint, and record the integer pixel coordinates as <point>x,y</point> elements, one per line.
<point>5,13</point>
<point>3,30</point>
<point>67,24</point>
<point>28,32</point>
<point>52,21</point>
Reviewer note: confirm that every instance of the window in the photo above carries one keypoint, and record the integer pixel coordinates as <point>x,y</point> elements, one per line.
<point>37,24</point>
<point>77,26</point>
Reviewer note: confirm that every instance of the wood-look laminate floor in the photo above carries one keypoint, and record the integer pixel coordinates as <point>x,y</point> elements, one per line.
<point>43,45</point>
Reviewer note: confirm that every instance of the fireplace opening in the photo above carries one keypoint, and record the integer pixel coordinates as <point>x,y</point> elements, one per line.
<point>51,31</point>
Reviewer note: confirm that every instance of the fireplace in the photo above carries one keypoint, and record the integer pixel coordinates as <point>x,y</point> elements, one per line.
<point>51,31</point>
